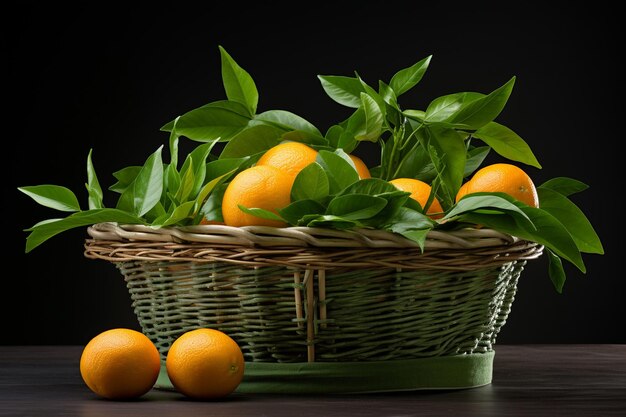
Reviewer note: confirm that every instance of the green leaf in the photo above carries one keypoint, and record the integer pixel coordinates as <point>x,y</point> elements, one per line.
<point>418,115</point>
<point>220,167</point>
<point>53,196</point>
<point>147,186</point>
<point>369,186</point>
<point>238,84</point>
<point>174,144</point>
<point>507,143</point>
<point>251,141</point>
<point>407,219</point>
<point>372,128</point>
<point>388,94</point>
<point>310,184</point>
<point>443,108</point>
<point>475,202</point>
<point>416,164</point>
<point>41,223</point>
<point>179,214</point>
<point>475,158</point>
<point>199,156</point>
<point>565,186</point>
<point>449,161</point>
<point>411,224</point>
<point>551,233</point>
<point>556,271</point>
<point>187,181</point>
<point>329,221</point>
<point>232,106</point>
<point>262,213</point>
<point>392,109</point>
<point>407,78</point>
<point>548,231</point>
<point>171,182</point>
<point>572,218</point>
<point>478,113</point>
<point>333,135</point>
<point>344,90</point>
<point>298,209</point>
<point>44,231</point>
<point>356,206</point>
<point>288,121</point>
<point>379,188</point>
<point>304,137</point>
<point>125,177</point>
<point>228,105</point>
<point>212,208</point>
<point>93,186</point>
<point>207,124</point>
<point>340,172</point>
<point>208,188</point>
<point>373,94</point>
<point>155,212</point>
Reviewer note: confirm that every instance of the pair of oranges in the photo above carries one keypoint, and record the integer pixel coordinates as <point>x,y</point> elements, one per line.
<point>268,185</point>
<point>496,178</point>
<point>124,364</point>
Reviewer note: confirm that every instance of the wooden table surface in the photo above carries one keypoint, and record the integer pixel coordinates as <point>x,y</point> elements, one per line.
<point>529,380</point>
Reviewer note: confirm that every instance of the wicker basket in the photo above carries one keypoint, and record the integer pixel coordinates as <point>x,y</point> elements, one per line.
<point>319,310</point>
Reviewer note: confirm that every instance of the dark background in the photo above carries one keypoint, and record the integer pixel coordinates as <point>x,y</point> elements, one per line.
<point>108,79</point>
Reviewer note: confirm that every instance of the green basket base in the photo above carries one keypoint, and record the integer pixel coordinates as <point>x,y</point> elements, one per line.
<point>445,372</point>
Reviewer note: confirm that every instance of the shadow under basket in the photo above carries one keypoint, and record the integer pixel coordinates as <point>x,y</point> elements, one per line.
<point>325,311</point>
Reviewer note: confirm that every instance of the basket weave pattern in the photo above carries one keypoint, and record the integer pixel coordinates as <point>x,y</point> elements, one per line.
<point>304,295</point>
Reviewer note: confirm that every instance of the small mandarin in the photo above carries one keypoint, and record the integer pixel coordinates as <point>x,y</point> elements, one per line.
<point>205,364</point>
<point>262,187</point>
<point>120,364</point>
<point>290,157</point>
<point>361,168</point>
<point>503,178</point>
<point>420,191</point>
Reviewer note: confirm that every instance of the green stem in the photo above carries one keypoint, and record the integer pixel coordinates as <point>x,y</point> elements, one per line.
<point>399,139</point>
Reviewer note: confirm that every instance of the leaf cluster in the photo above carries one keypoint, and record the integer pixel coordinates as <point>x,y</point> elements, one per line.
<point>440,145</point>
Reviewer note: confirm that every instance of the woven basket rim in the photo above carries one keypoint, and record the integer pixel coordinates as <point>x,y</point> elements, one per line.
<point>264,236</point>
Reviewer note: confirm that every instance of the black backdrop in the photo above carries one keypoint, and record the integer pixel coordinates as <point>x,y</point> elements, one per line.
<point>107,79</point>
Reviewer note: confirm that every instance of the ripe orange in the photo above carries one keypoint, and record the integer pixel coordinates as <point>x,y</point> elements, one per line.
<point>120,364</point>
<point>262,187</point>
<point>205,363</point>
<point>290,157</point>
<point>361,168</point>
<point>503,178</point>
<point>420,191</point>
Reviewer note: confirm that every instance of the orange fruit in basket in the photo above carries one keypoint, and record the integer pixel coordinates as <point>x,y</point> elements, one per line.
<point>361,168</point>
<point>120,364</point>
<point>503,178</point>
<point>262,187</point>
<point>204,364</point>
<point>290,157</point>
<point>420,191</point>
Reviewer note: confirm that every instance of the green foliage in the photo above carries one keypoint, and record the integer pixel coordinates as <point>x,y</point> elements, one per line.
<point>438,145</point>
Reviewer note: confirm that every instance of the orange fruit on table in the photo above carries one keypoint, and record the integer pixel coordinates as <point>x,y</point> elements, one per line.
<point>503,178</point>
<point>420,191</point>
<point>361,168</point>
<point>120,364</point>
<point>262,187</point>
<point>290,157</point>
<point>205,363</point>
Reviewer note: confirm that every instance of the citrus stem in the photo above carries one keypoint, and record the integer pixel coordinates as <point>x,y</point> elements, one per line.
<point>399,143</point>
